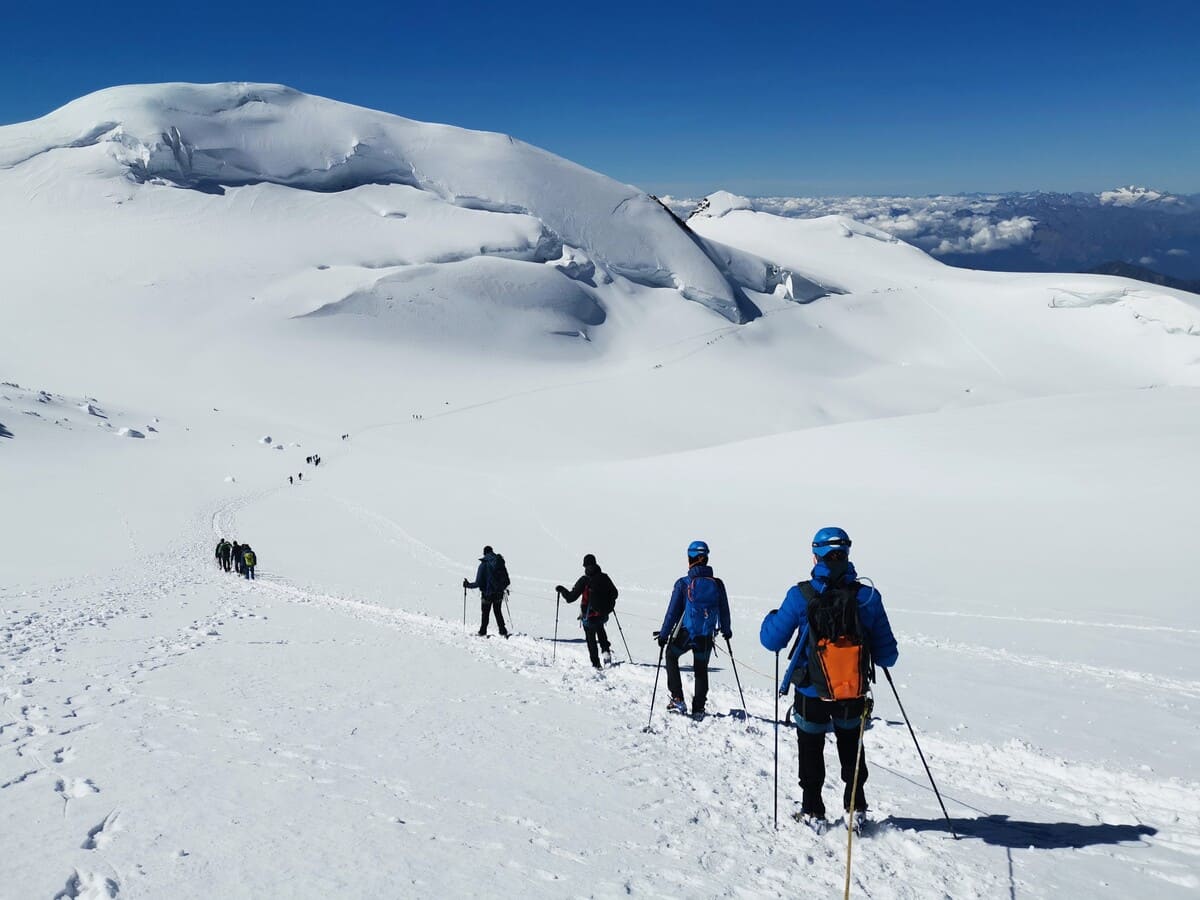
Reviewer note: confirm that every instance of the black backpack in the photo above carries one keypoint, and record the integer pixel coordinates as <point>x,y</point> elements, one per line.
<point>839,656</point>
<point>602,595</point>
<point>498,580</point>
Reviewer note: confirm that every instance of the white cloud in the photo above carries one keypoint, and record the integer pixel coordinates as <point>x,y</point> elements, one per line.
<point>986,237</point>
<point>1147,261</point>
<point>1175,251</point>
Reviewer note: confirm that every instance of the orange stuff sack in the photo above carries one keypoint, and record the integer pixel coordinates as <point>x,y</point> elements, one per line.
<point>841,662</point>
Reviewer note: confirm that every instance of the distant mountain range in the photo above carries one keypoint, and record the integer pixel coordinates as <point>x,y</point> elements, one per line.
<point>1152,231</point>
<point>1141,273</point>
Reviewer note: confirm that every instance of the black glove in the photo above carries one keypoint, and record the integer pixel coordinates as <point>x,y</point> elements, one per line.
<point>727,635</point>
<point>661,638</point>
<point>559,589</point>
<point>466,583</point>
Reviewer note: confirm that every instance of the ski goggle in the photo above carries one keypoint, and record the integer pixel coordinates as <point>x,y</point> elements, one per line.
<point>821,549</point>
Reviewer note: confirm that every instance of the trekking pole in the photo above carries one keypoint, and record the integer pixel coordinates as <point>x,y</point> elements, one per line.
<point>776,740</point>
<point>933,784</point>
<point>729,647</point>
<point>657,670</point>
<point>508,609</point>
<point>622,630</point>
<point>464,609</point>
<point>557,604</point>
<point>858,753</point>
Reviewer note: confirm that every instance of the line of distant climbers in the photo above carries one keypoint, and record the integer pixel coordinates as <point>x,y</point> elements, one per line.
<point>240,558</point>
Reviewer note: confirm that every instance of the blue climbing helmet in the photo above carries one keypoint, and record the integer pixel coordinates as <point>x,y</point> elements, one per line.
<point>697,549</point>
<point>829,539</point>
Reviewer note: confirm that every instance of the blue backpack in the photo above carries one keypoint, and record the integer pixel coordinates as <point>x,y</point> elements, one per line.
<point>701,615</point>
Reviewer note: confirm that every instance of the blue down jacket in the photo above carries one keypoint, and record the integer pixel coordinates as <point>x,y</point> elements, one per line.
<point>779,625</point>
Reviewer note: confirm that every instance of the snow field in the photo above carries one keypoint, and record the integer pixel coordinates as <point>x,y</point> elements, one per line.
<point>513,349</point>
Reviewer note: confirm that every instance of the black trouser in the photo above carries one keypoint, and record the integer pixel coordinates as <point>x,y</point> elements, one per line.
<point>593,630</point>
<point>701,648</point>
<point>225,563</point>
<point>814,716</point>
<point>489,605</point>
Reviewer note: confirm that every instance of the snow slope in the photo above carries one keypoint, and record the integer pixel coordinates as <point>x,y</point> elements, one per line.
<point>1013,455</point>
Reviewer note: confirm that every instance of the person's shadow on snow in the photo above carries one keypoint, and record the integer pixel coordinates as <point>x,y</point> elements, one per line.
<point>4,432</point>
<point>1017,835</point>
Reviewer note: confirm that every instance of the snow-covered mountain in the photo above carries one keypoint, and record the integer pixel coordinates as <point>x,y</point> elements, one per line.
<point>1024,232</point>
<point>205,285</point>
<point>465,195</point>
<point>1132,195</point>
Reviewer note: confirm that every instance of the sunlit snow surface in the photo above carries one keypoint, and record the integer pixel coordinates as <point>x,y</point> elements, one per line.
<point>515,363</point>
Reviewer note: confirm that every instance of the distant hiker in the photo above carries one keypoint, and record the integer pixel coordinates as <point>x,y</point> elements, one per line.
<point>308,460</point>
<point>291,480</point>
<point>344,436</point>
<point>699,607</point>
<point>491,580</point>
<point>316,460</point>
<point>598,598</point>
<point>249,561</point>
<point>224,554</point>
<point>843,634</point>
<point>300,476</point>
<point>235,552</point>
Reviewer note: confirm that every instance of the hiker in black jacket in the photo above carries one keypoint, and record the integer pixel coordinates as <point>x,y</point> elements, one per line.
<point>598,597</point>
<point>235,553</point>
<point>491,580</point>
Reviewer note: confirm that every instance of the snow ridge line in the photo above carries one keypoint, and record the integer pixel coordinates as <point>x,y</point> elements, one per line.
<point>731,799</point>
<point>978,767</point>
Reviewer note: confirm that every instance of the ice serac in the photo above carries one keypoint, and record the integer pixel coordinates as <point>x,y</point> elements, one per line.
<point>211,137</point>
<point>750,271</point>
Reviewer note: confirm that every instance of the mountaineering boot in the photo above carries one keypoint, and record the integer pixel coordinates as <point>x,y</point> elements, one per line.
<point>811,803</point>
<point>677,705</point>
<point>608,657</point>
<point>814,823</point>
<point>856,821</point>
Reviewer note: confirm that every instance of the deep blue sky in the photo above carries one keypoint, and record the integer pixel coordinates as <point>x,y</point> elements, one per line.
<point>759,98</point>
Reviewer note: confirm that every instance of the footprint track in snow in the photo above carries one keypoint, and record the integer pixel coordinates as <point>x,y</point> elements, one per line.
<point>101,835</point>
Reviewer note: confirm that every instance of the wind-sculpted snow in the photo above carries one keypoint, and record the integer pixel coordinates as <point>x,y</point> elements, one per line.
<point>488,296</point>
<point>763,277</point>
<point>1175,313</point>
<point>214,137</point>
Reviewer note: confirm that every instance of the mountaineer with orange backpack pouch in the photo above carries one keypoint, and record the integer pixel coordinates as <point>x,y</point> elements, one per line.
<point>843,633</point>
